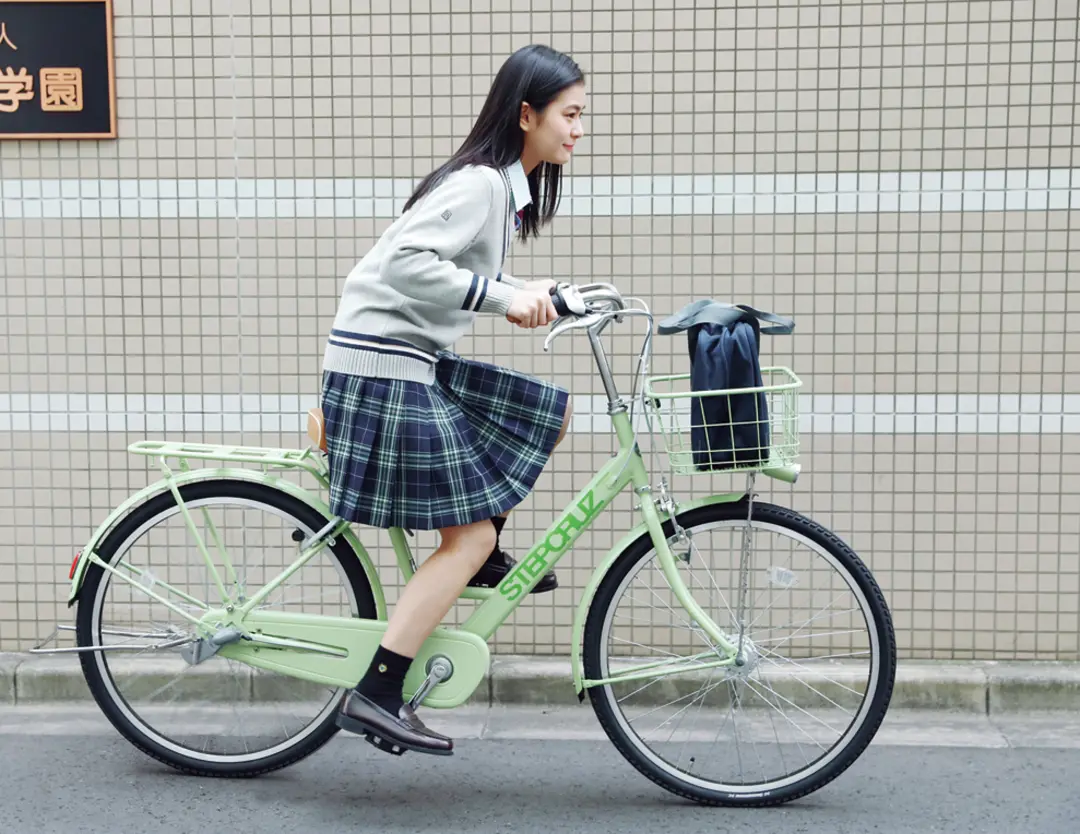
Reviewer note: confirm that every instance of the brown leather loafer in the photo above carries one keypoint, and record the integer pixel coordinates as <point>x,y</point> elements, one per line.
<point>409,714</point>
<point>500,563</point>
<point>392,733</point>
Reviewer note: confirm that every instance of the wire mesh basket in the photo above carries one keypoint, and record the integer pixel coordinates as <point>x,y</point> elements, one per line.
<point>732,430</point>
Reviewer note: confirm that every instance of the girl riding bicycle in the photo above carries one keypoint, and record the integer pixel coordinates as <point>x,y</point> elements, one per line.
<point>418,437</point>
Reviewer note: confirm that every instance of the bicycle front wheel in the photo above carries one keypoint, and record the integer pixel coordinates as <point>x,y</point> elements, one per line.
<point>214,716</point>
<point>816,636</point>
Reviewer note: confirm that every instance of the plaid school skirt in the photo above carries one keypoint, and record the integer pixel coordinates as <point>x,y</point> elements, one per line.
<point>466,448</point>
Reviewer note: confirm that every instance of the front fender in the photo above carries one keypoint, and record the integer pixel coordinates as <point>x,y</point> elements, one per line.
<point>578,637</point>
<point>270,479</point>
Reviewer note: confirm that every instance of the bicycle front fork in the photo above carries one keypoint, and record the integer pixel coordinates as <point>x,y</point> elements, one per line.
<point>665,503</point>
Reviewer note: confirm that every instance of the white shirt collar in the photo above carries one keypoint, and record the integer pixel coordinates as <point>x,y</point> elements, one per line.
<point>519,184</point>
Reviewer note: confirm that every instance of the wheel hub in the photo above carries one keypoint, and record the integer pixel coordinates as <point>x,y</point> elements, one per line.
<point>747,661</point>
<point>206,647</point>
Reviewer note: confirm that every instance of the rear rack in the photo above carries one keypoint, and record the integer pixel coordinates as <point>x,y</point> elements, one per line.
<point>268,457</point>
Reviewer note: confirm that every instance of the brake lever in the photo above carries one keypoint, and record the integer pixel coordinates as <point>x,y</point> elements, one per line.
<point>570,323</point>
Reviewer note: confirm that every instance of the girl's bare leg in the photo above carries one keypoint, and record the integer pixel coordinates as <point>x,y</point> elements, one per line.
<point>436,585</point>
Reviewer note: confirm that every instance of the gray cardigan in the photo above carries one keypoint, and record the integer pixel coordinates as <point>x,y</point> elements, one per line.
<point>418,290</point>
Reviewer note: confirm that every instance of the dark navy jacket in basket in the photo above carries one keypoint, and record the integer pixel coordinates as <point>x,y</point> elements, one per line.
<point>731,429</point>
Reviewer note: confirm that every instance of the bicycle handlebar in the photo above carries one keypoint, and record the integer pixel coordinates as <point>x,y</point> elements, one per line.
<point>585,306</point>
<point>574,300</point>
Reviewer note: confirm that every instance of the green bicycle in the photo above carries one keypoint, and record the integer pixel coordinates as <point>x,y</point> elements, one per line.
<point>735,652</point>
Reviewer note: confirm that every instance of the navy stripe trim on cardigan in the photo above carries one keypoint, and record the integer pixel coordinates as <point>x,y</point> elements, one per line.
<point>380,344</point>
<point>382,351</point>
<point>371,337</point>
<point>471,293</point>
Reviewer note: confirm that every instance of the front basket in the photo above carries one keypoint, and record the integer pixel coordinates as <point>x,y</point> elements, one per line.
<point>729,430</point>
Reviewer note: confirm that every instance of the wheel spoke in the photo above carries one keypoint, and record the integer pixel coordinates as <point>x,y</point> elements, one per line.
<point>780,719</point>
<point>219,715</point>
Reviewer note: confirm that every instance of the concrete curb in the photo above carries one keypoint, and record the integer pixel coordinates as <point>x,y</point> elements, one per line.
<point>8,664</point>
<point>977,687</point>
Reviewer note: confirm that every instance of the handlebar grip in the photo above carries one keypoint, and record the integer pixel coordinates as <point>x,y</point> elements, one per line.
<point>571,304</point>
<point>559,302</point>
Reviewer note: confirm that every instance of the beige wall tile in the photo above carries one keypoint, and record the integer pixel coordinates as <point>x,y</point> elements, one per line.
<point>971,535</point>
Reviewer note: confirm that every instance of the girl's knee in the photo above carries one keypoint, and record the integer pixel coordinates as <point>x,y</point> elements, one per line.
<point>566,423</point>
<point>475,540</point>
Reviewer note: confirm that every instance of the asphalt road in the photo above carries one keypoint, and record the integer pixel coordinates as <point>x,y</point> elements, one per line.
<point>63,774</point>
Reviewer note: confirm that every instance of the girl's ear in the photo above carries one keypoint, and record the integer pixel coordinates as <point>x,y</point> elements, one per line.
<point>527,116</point>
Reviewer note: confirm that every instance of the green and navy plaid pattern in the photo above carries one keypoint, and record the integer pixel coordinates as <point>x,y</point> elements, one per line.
<point>425,457</point>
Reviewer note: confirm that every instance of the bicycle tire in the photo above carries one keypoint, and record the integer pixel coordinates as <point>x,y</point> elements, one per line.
<point>603,700</point>
<point>97,676</point>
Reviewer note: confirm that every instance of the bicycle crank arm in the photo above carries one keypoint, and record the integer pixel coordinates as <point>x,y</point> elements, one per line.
<point>439,669</point>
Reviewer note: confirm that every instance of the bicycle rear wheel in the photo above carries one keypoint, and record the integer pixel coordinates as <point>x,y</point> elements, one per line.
<point>219,717</point>
<point>819,644</point>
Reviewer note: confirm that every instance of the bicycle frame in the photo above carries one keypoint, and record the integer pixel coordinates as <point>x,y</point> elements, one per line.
<point>626,468</point>
<point>336,650</point>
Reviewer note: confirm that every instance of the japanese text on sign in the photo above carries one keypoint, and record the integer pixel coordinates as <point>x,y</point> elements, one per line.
<point>56,72</point>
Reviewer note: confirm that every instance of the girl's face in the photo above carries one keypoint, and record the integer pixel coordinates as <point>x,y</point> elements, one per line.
<point>550,136</point>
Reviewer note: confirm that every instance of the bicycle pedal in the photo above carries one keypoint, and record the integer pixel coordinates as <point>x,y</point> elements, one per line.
<point>385,745</point>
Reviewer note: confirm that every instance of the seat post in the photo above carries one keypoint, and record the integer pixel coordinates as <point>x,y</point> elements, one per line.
<point>615,403</point>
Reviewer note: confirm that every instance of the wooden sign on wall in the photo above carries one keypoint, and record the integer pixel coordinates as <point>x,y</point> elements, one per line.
<point>57,78</point>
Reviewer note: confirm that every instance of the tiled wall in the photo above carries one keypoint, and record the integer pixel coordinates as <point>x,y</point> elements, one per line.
<point>901,177</point>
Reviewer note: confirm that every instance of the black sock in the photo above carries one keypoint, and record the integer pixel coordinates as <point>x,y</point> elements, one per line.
<point>385,679</point>
<point>499,523</point>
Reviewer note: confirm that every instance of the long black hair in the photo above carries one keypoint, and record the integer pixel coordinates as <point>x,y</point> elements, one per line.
<point>535,74</point>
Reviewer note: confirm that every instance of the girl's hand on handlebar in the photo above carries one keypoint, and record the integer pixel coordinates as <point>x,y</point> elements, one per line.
<point>531,308</point>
